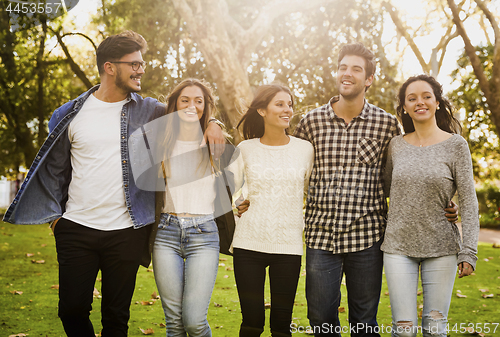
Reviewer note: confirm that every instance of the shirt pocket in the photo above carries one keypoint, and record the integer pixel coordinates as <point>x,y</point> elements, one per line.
<point>367,151</point>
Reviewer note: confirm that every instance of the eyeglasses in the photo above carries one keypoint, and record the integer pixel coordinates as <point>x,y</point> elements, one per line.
<point>135,65</point>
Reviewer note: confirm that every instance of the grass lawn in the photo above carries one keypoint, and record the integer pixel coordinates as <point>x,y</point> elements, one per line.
<point>29,278</point>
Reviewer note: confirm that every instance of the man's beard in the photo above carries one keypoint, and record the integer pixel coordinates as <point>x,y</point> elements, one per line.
<point>121,84</point>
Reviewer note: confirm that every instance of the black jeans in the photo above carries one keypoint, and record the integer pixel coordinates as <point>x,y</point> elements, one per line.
<point>81,253</point>
<point>250,274</point>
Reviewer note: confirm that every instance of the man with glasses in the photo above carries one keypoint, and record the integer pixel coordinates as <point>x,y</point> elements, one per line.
<point>82,180</point>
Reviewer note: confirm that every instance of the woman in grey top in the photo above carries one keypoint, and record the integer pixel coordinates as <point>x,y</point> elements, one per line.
<point>425,167</point>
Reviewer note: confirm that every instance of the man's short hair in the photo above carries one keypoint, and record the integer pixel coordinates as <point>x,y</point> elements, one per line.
<point>359,49</point>
<point>114,47</point>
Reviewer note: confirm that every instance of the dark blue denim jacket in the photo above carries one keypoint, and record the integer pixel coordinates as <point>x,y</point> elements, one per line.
<point>44,192</point>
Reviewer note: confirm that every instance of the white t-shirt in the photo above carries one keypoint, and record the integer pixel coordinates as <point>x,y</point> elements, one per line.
<point>190,186</point>
<point>96,195</point>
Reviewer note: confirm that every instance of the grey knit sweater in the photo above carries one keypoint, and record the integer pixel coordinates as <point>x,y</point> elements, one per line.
<point>422,180</point>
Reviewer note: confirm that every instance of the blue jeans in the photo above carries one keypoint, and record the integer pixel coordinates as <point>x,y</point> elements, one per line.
<point>363,273</point>
<point>438,277</point>
<point>185,261</point>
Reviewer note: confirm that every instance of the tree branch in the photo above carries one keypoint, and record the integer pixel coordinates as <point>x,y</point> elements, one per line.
<point>85,36</point>
<point>403,30</point>
<point>76,69</point>
<point>470,50</point>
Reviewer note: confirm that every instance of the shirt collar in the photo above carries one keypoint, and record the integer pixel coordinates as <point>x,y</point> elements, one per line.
<point>365,113</point>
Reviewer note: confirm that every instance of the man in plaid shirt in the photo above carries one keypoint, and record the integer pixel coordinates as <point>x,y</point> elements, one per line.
<point>346,208</point>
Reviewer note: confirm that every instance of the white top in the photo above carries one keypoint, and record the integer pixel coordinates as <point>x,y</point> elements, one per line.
<point>191,184</point>
<point>96,195</point>
<point>276,178</point>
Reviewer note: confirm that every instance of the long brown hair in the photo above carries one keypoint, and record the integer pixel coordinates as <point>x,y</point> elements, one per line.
<point>444,114</point>
<point>173,125</point>
<point>253,123</point>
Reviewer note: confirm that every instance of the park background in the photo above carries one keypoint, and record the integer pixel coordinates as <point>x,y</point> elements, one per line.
<point>237,45</point>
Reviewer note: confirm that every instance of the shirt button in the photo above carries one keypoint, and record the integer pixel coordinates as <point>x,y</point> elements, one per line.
<point>124,161</point>
<point>126,185</point>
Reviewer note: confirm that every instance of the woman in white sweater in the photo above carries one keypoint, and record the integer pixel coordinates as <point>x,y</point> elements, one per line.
<point>275,168</point>
<point>186,246</point>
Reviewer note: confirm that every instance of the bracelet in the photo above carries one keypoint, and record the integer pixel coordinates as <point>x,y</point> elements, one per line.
<point>218,122</point>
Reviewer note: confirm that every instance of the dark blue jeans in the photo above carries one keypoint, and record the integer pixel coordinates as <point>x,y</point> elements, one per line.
<point>363,273</point>
<point>81,253</point>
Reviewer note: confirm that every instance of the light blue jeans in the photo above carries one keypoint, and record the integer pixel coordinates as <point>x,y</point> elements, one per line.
<point>438,277</point>
<point>185,262</point>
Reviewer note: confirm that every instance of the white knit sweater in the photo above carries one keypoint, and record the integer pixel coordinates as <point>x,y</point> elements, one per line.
<point>276,178</point>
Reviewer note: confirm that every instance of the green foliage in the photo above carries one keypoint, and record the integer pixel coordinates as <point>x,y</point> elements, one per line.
<point>488,196</point>
<point>300,50</point>
<point>33,82</point>
<point>478,128</point>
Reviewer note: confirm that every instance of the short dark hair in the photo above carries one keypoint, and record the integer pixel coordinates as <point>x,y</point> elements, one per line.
<point>359,49</point>
<point>114,47</point>
<point>253,123</point>
<point>444,114</point>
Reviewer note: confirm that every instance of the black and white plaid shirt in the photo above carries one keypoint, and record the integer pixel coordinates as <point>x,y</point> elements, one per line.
<point>346,209</point>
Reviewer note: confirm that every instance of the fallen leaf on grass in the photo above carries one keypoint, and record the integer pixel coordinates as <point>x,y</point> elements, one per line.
<point>19,335</point>
<point>162,325</point>
<point>484,290</point>
<point>17,292</point>
<point>155,296</point>
<point>460,295</point>
<point>39,261</point>
<point>30,254</point>
<point>149,270</point>
<point>147,331</point>
<point>96,293</point>
<point>217,305</point>
<point>222,259</point>
<point>147,302</point>
<point>488,295</point>
<point>341,309</point>
<point>267,305</point>
<point>419,292</point>
<point>44,245</point>
<point>55,286</point>
<point>226,276</point>
<point>229,269</point>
